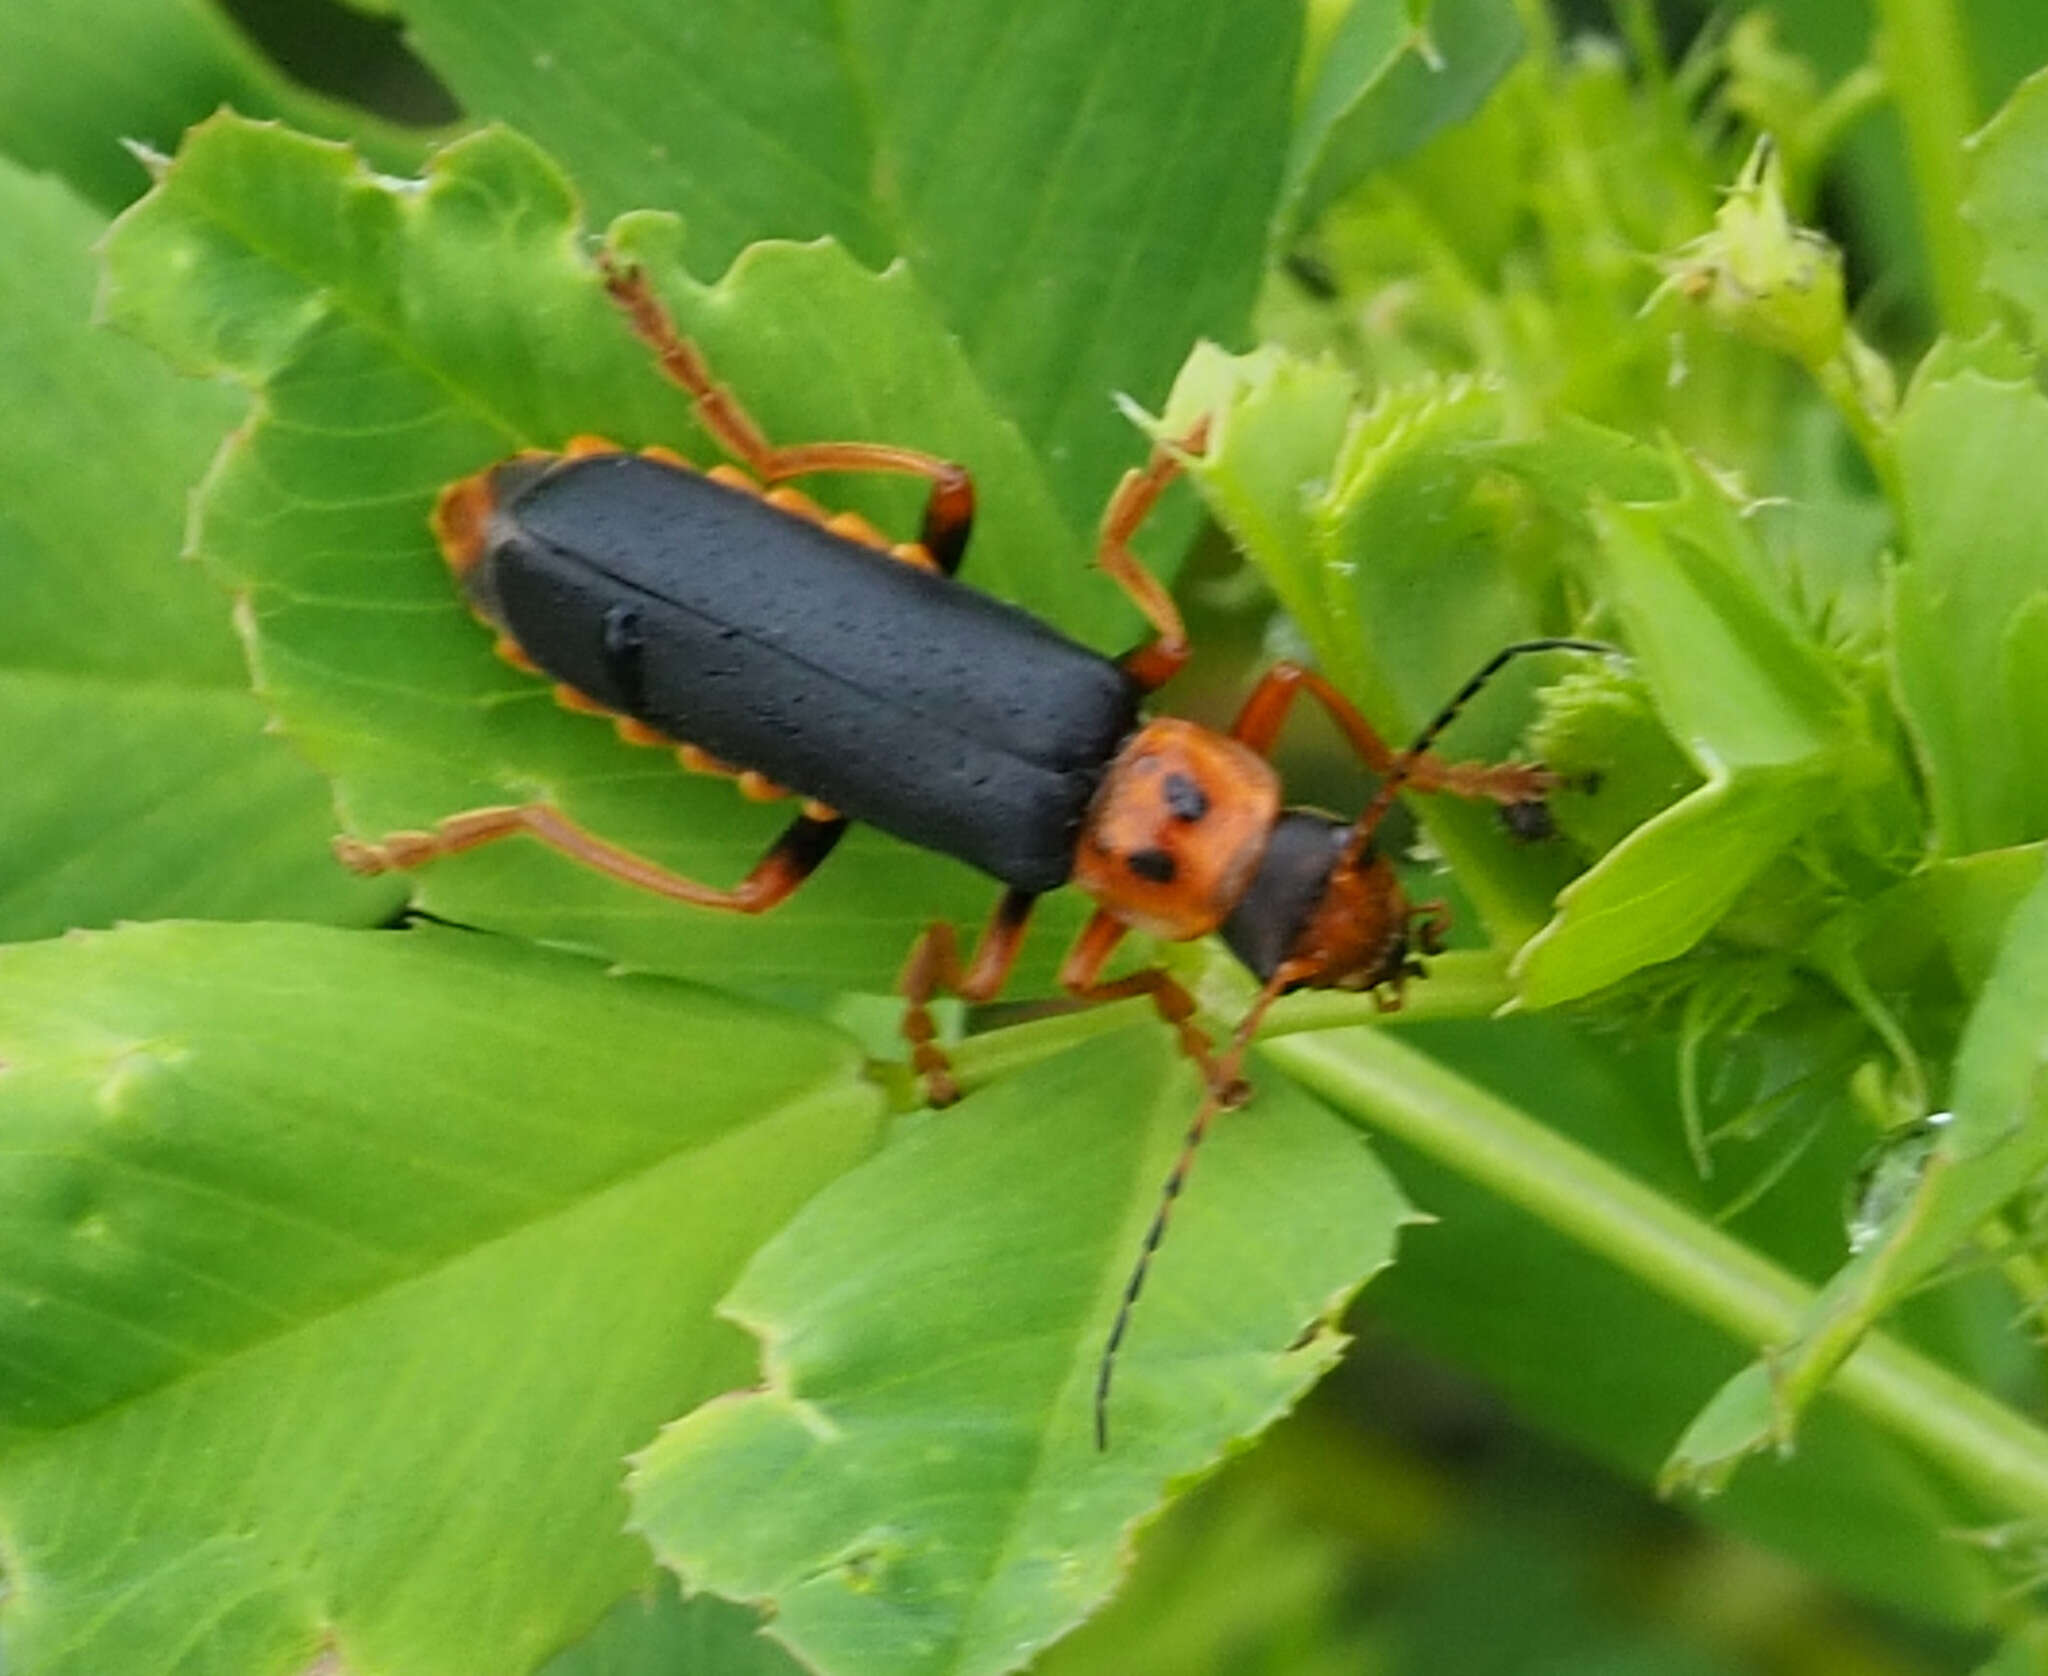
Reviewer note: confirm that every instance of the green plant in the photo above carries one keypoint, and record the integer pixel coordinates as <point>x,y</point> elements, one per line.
<point>348,1264</point>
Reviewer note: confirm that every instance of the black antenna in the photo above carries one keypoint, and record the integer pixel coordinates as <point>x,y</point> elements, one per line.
<point>1382,800</point>
<point>1227,1067</point>
<point>1105,1366</point>
<point>1225,1077</point>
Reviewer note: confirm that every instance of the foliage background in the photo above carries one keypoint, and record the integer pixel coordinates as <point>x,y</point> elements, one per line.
<point>333,1306</point>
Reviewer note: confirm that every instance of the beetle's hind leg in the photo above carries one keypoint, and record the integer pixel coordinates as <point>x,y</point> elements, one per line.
<point>949,509</point>
<point>788,862</point>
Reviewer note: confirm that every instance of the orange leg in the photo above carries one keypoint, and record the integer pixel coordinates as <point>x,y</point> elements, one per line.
<point>790,860</point>
<point>948,514</point>
<point>1259,721</point>
<point>934,965</point>
<point>1408,765</point>
<point>1156,663</point>
<point>1429,923</point>
<point>1080,977</point>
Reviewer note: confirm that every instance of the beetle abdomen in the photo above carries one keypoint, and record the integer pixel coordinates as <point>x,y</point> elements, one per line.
<point>893,694</point>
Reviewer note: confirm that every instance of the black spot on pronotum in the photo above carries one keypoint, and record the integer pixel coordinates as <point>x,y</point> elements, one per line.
<point>1186,799</point>
<point>1155,865</point>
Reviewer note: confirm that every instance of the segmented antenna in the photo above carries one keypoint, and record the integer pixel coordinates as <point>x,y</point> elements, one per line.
<point>1227,1067</point>
<point>1169,1193</point>
<point>1382,800</point>
<point>1105,1366</point>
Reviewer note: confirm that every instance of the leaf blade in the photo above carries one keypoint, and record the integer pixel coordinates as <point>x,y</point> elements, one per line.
<point>367,1360</point>
<point>955,1514</point>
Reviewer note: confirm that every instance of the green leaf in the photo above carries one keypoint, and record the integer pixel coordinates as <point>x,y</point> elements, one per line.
<point>1572,1222</point>
<point>1755,709</point>
<point>658,1633</point>
<point>2001,1076</point>
<point>1387,83</point>
<point>2008,201</point>
<point>394,334</point>
<point>2023,1655</point>
<point>1735,681</point>
<point>2023,671</point>
<point>1577,460</point>
<point>139,779</point>
<point>1278,426</point>
<point>1740,1419</point>
<point>1982,1154</point>
<point>1965,614</point>
<point>1241,1574</point>
<point>1081,195</point>
<point>1599,728</point>
<point>931,1328</point>
<point>1970,902</point>
<point>1668,883</point>
<point>79,80</point>
<point>356,1262</point>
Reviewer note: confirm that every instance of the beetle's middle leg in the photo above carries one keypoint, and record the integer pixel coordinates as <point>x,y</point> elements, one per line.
<point>788,862</point>
<point>949,510</point>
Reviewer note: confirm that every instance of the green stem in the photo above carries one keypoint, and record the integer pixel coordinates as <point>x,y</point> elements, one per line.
<point>1466,983</point>
<point>2020,1267</point>
<point>1857,385</point>
<point>1405,1093</point>
<point>1926,64</point>
<point>1000,1053</point>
